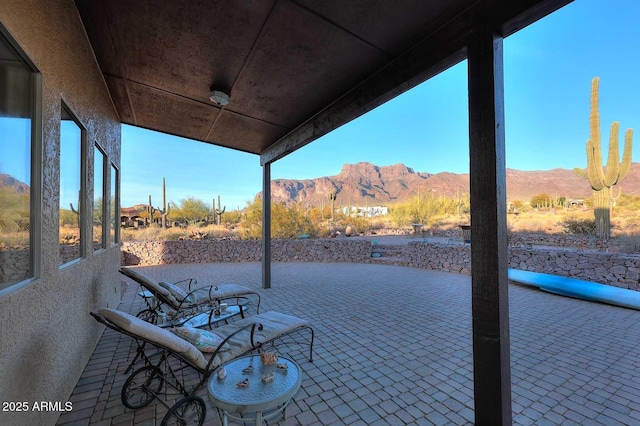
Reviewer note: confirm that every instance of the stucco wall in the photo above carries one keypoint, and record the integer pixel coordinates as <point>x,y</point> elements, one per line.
<point>46,333</point>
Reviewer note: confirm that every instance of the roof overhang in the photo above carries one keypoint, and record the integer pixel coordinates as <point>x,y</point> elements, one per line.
<point>294,70</point>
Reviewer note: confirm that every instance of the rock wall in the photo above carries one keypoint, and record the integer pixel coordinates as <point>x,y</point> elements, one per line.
<point>612,268</point>
<point>615,269</point>
<point>14,263</point>
<point>576,241</point>
<point>455,258</point>
<point>206,251</point>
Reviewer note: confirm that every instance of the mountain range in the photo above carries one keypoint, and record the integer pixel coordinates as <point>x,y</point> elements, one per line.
<point>365,183</point>
<point>16,186</point>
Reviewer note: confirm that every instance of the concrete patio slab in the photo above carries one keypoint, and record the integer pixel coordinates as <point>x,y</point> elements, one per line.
<point>393,346</point>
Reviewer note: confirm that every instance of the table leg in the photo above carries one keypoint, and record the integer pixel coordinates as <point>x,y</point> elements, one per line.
<point>225,421</point>
<point>259,418</point>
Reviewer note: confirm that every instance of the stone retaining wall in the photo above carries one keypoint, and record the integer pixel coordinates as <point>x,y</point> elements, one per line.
<point>14,264</point>
<point>576,241</point>
<point>615,269</point>
<point>206,251</point>
<point>454,258</point>
<point>612,268</point>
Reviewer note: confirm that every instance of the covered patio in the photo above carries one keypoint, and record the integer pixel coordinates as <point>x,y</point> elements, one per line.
<point>394,346</point>
<point>280,74</point>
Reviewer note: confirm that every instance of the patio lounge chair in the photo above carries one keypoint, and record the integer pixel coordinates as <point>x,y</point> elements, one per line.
<point>179,302</point>
<point>178,356</point>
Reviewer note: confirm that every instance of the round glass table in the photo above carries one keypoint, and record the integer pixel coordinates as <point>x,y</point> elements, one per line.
<point>258,400</point>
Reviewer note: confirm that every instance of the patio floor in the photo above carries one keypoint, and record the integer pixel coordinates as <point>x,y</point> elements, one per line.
<point>393,347</point>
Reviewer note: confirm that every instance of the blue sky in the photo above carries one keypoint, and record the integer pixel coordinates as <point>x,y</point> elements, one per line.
<point>548,69</point>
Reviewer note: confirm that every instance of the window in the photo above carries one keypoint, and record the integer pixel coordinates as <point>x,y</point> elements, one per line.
<point>19,88</point>
<point>99,206</point>
<point>71,187</point>
<point>114,207</point>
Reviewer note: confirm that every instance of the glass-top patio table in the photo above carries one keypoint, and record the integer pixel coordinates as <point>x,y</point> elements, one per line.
<point>204,318</point>
<point>258,400</point>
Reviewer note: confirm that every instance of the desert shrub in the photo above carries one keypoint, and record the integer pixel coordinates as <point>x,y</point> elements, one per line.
<point>172,234</point>
<point>191,210</point>
<point>14,211</point>
<point>286,222</point>
<point>357,224</point>
<point>541,200</point>
<point>231,217</point>
<point>428,209</point>
<point>628,201</point>
<point>151,233</point>
<point>68,218</point>
<point>156,233</point>
<point>515,207</point>
<point>577,226</point>
<point>629,243</point>
<point>290,221</point>
<point>631,224</point>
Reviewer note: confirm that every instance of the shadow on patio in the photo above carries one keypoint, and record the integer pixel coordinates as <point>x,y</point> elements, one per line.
<point>393,346</point>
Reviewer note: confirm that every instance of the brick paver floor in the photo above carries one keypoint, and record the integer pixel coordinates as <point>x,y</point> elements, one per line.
<point>393,347</point>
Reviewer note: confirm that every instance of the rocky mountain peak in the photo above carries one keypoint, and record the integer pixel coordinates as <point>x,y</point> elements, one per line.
<point>359,169</point>
<point>365,183</point>
<point>371,170</point>
<point>8,181</point>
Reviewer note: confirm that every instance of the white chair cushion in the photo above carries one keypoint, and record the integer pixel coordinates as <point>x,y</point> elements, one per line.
<point>152,286</point>
<point>204,340</point>
<point>155,334</point>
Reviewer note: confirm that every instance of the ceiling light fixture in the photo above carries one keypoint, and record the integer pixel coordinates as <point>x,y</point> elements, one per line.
<point>219,97</point>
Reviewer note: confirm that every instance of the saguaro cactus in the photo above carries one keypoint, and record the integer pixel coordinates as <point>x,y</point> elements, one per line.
<point>151,211</point>
<point>217,212</point>
<point>77,212</point>
<point>602,181</point>
<point>164,210</point>
<point>332,198</point>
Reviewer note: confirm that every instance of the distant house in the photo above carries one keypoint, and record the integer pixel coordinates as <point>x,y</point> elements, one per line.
<point>132,216</point>
<point>369,211</point>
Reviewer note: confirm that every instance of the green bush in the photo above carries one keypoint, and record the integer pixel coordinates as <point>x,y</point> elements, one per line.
<point>428,209</point>
<point>541,200</point>
<point>286,222</point>
<point>191,210</point>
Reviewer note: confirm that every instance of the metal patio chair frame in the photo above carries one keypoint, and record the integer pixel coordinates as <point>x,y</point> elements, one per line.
<point>167,368</point>
<point>197,299</point>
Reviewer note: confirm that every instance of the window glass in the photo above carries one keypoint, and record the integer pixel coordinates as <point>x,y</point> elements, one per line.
<point>17,91</point>
<point>114,209</point>
<point>71,193</point>
<point>99,207</point>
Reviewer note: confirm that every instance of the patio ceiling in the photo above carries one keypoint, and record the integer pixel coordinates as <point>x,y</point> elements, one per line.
<point>295,69</point>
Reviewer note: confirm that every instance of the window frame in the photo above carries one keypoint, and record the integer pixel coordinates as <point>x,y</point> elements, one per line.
<point>35,172</point>
<point>114,209</point>
<point>82,207</point>
<point>104,210</point>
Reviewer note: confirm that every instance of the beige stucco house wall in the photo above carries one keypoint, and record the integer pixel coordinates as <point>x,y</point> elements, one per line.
<point>46,332</point>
